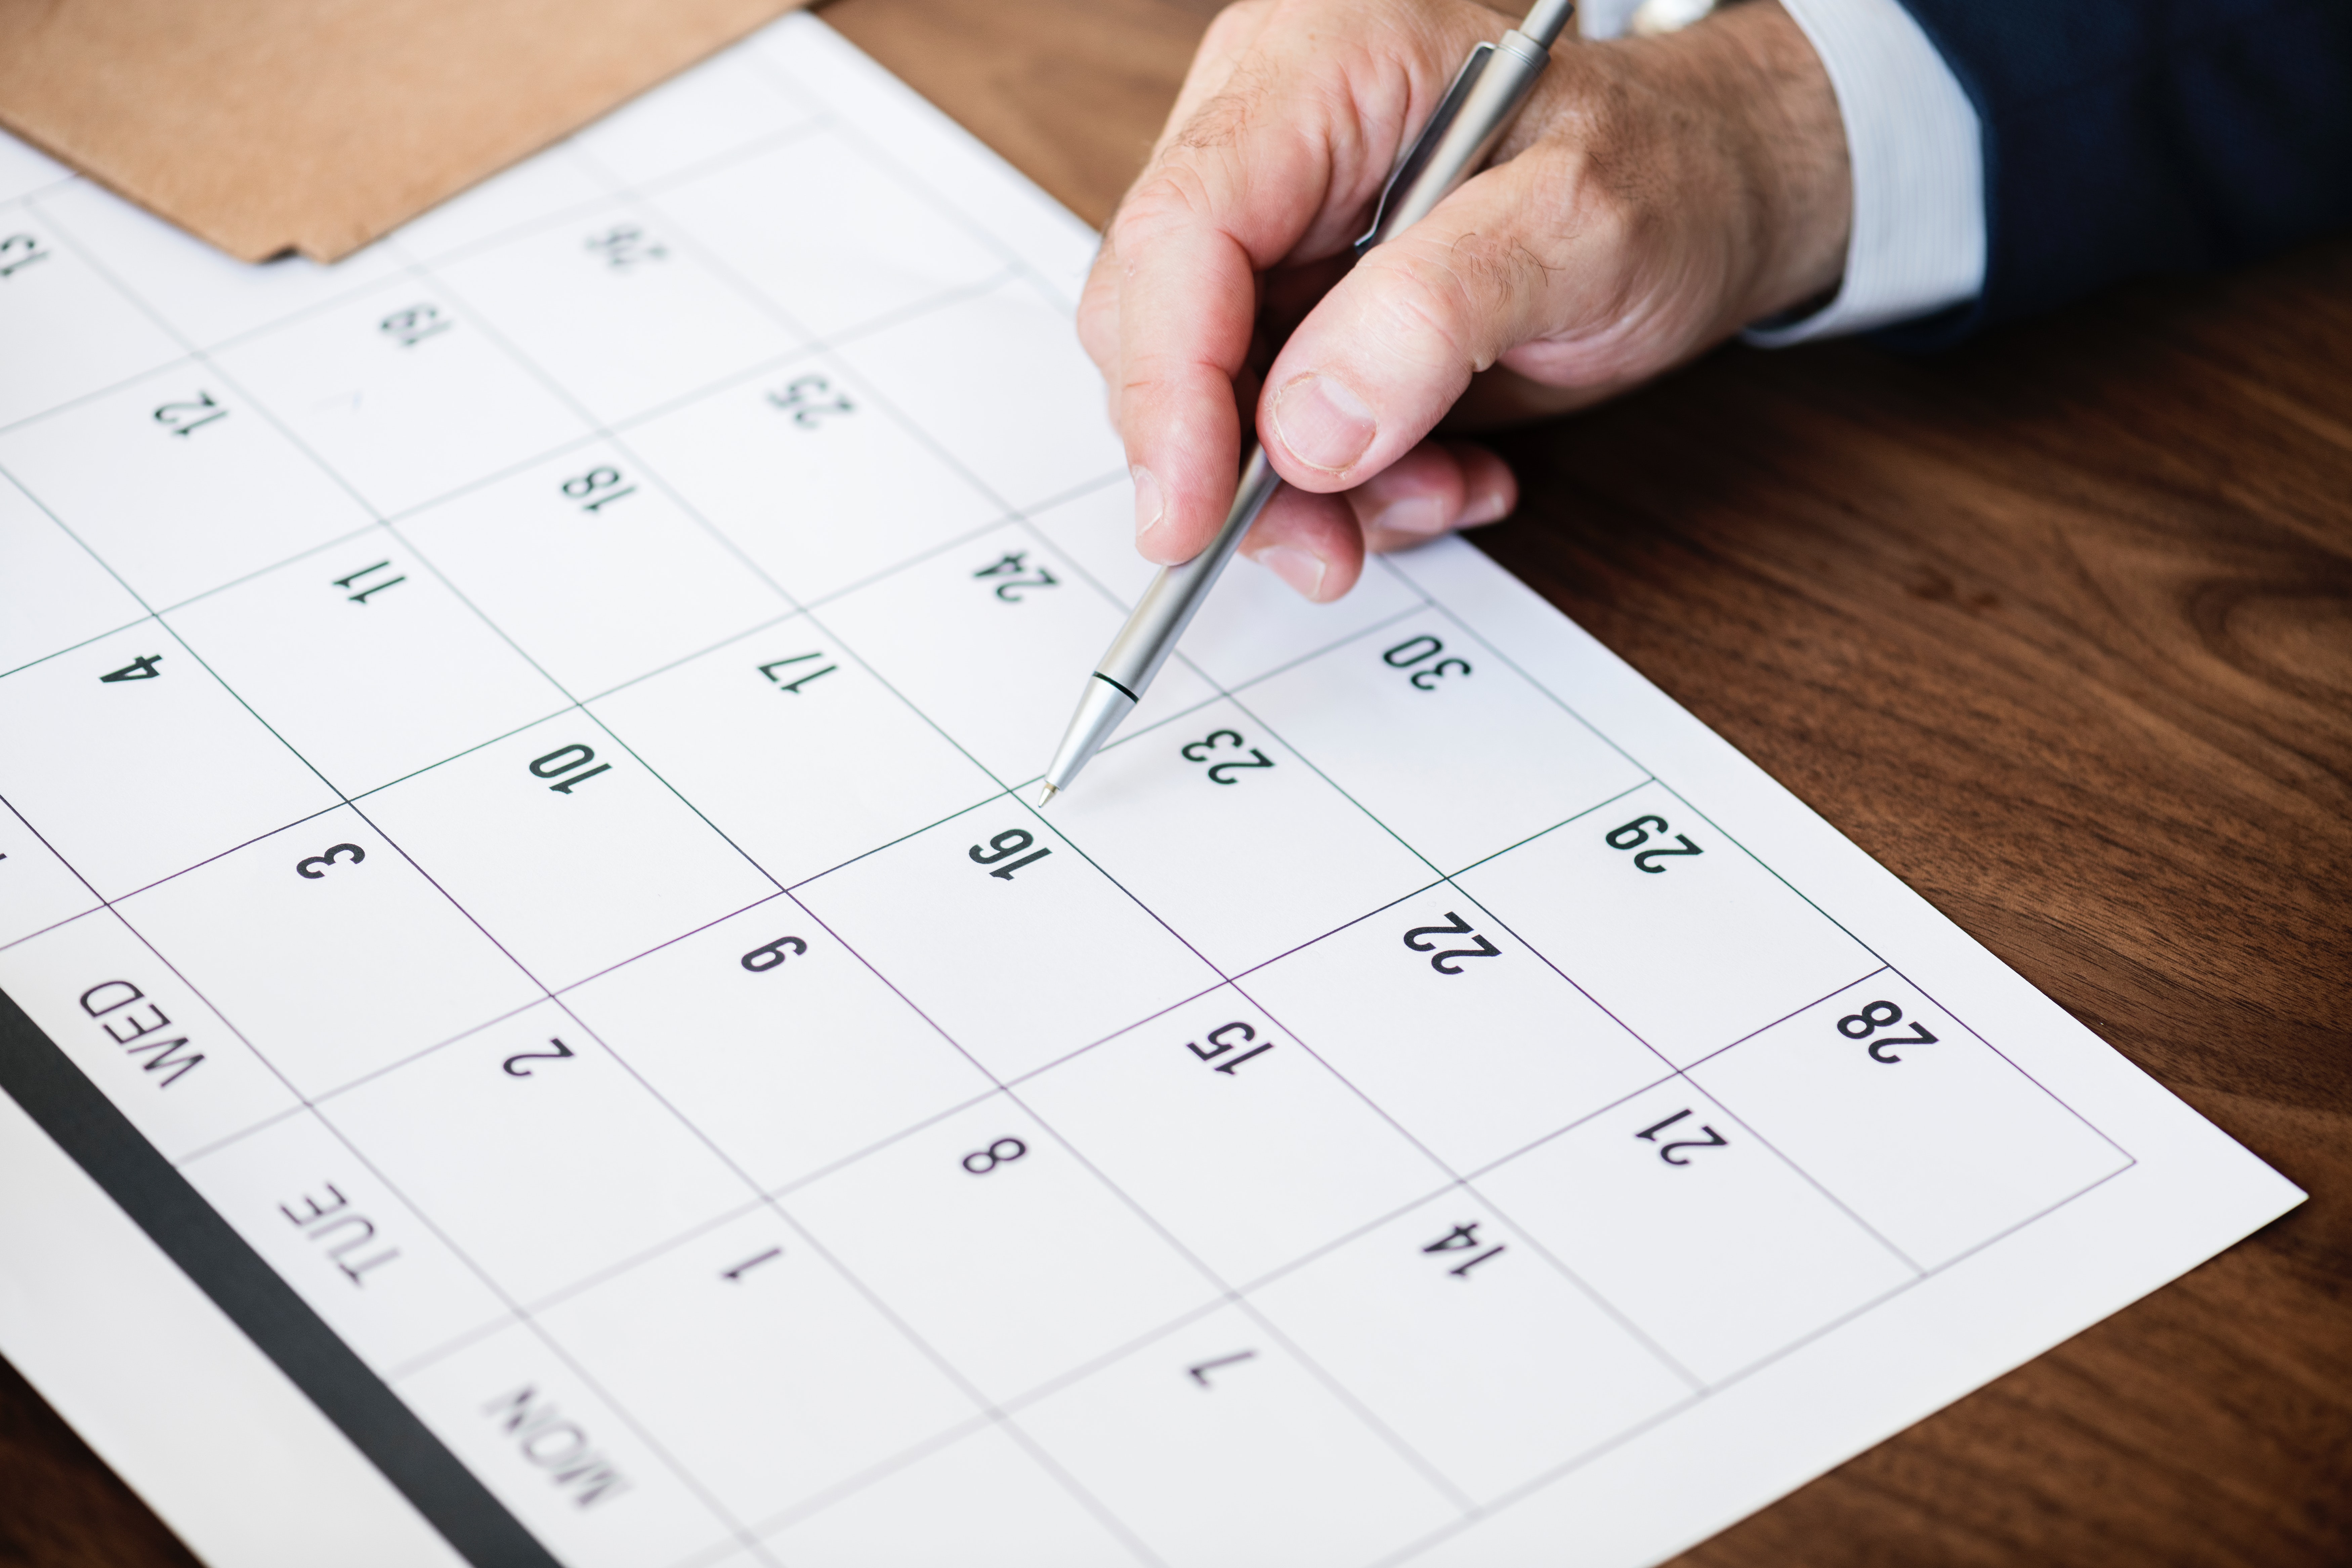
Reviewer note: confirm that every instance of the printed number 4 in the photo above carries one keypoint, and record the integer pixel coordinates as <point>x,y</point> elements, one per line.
<point>1223,771</point>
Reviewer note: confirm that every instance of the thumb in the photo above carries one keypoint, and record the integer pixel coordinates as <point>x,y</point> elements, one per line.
<point>1383,355</point>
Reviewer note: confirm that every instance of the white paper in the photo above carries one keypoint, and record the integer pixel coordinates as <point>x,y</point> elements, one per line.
<point>540,711</point>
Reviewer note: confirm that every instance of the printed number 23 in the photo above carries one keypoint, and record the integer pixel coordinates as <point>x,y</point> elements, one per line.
<point>1222,770</point>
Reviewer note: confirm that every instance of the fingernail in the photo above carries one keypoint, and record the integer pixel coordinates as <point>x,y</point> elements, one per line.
<point>1148,511</point>
<point>1323,423</point>
<point>1412,514</point>
<point>1297,567</point>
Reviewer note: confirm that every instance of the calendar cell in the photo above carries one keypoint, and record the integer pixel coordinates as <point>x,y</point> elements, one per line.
<point>1697,1212</point>
<point>1470,1345</point>
<point>1042,626</point>
<point>1253,623</point>
<point>525,195</point>
<point>38,890</point>
<point>402,393</point>
<point>776,1043</point>
<point>616,309</point>
<point>1914,1123</point>
<point>166,768</point>
<point>207,295</point>
<point>346,1242</point>
<point>725,103</point>
<point>1473,1044</point>
<point>1299,1158</point>
<point>1217,1447</point>
<point>362,658</point>
<point>586,563</point>
<point>55,593</point>
<point>1457,752</point>
<point>569,851</point>
<point>140,1034</point>
<point>1621,899</point>
<point>817,483</point>
<point>1224,833</point>
<point>773,1378</point>
<point>999,1248</point>
<point>67,330</point>
<point>538,1156</point>
<point>302,972</point>
<point>983,375</point>
<point>1006,937</point>
<point>794,750</point>
<point>521,1415</point>
<point>835,239</point>
<point>988,1495</point>
<point>184,444</point>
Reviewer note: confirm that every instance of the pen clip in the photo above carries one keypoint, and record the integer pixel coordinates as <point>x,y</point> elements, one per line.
<point>1425,146</point>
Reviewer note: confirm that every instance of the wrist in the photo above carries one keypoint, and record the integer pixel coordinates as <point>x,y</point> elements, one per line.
<point>1787,140</point>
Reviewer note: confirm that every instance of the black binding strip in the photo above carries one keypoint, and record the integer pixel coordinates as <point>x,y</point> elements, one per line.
<point>74,1112</point>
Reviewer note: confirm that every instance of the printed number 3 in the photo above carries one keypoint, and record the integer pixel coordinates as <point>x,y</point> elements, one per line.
<point>1221,772</point>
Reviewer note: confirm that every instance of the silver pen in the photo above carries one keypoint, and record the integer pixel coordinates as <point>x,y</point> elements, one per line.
<point>1477,108</point>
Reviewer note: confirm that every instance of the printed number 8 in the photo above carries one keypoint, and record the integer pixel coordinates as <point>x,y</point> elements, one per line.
<point>1003,1151</point>
<point>591,481</point>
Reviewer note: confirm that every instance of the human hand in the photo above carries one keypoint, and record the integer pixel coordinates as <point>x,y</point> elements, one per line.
<point>1655,195</point>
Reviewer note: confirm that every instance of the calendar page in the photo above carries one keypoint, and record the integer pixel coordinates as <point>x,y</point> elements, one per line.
<point>523,889</point>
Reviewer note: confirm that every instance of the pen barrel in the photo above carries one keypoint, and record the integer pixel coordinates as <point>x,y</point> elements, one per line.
<point>1476,111</point>
<point>1168,606</point>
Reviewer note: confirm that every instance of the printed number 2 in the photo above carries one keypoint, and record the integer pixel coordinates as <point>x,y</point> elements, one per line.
<point>1636,833</point>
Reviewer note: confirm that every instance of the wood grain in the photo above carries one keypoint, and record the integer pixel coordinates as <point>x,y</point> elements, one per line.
<point>2059,628</point>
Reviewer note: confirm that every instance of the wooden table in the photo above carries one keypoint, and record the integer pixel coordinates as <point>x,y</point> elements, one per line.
<point>2059,628</point>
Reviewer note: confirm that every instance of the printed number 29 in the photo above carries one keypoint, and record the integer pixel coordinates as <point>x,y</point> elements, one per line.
<point>1636,833</point>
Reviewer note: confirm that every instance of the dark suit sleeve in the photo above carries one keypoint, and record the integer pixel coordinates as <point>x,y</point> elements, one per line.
<point>2127,136</point>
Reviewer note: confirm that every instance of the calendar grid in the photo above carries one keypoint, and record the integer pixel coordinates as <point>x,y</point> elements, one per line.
<point>1247,1291</point>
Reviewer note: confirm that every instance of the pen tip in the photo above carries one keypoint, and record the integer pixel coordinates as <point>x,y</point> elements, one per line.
<point>1047,798</point>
